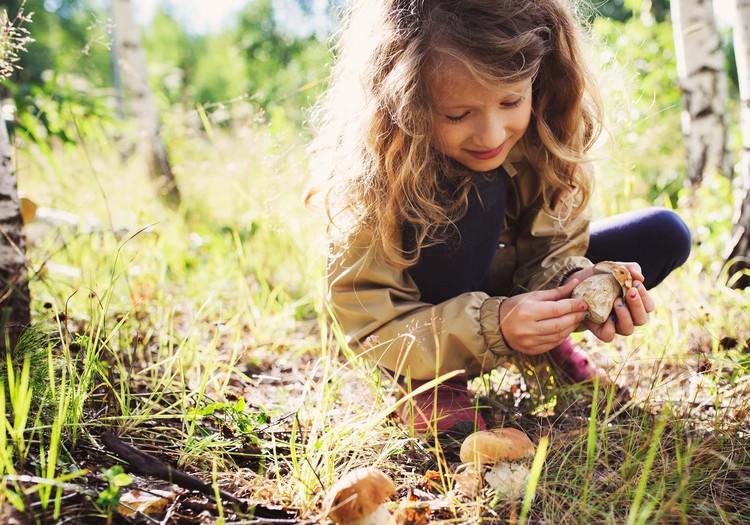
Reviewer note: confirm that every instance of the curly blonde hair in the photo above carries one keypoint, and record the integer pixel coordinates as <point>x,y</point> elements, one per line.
<point>373,158</point>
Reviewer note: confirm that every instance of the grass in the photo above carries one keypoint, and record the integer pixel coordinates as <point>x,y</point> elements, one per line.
<point>203,337</point>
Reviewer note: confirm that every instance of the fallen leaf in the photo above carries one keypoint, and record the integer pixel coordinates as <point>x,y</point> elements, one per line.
<point>138,501</point>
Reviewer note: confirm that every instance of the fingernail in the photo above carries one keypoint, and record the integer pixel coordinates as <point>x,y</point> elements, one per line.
<point>585,316</point>
<point>634,295</point>
<point>620,304</point>
<point>637,284</point>
<point>611,317</point>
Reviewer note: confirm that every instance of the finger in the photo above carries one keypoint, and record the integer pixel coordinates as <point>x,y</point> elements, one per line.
<point>560,327</point>
<point>636,308</point>
<point>560,308</point>
<point>547,333</point>
<point>555,294</point>
<point>625,324</point>
<point>635,271</point>
<point>605,332</point>
<point>648,302</point>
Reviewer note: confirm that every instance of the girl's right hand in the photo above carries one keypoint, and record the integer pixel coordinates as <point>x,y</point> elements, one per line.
<point>535,322</point>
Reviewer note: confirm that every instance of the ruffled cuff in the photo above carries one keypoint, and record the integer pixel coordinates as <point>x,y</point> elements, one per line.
<point>558,272</point>
<point>489,320</point>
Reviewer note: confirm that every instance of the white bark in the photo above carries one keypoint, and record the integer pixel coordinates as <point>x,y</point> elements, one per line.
<point>739,254</point>
<point>700,67</point>
<point>139,101</point>
<point>14,290</point>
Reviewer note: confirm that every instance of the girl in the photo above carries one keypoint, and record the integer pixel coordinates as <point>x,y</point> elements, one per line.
<point>453,143</point>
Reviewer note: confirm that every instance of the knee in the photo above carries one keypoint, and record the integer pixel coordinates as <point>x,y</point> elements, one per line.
<point>672,233</point>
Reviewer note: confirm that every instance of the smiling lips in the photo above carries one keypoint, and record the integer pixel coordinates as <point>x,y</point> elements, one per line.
<point>486,155</point>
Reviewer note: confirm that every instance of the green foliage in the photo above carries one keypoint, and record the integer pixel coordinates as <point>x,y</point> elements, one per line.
<point>217,80</point>
<point>61,107</point>
<point>116,479</point>
<point>62,37</point>
<point>255,58</point>
<point>172,54</point>
<point>643,100</point>
<point>233,414</point>
<point>59,79</point>
<point>624,10</point>
<point>731,63</point>
<point>31,358</point>
<point>66,72</point>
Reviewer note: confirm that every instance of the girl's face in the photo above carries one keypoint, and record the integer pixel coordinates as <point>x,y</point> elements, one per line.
<point>475,125</point>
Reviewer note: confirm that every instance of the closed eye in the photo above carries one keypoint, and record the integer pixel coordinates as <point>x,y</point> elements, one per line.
<point>456,118</point>
<point>513,103</point>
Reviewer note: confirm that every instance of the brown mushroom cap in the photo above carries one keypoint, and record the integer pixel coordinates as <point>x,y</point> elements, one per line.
<point>498,444</point>
<point>357,495</point>
<point>620,272</point>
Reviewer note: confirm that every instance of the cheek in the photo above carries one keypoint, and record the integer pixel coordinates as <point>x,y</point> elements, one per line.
<point>440,137</point>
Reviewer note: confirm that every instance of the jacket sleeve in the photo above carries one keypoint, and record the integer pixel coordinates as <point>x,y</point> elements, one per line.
<point>548,248</point>
<point>379,309</point>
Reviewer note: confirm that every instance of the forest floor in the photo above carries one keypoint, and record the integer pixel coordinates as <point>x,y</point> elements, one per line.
<point>239,463</point>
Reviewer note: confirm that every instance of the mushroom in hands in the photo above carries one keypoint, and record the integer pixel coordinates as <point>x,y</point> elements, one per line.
<point>610,281</point>
<point>499,453</point>
<point>356,499</point>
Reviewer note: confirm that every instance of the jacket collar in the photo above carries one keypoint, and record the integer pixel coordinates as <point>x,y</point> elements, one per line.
<point>514,156</point>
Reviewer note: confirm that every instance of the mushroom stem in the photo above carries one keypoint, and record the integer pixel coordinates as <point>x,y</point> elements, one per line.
<point>380,516</point>
<point>468,481</point>
<point>508,479</point>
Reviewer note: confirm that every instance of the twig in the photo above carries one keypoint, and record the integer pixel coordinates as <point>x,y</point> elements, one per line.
<point>146,464</point>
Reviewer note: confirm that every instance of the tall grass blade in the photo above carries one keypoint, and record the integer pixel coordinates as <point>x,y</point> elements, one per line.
<point>635,515</point>
<point>536,471</point>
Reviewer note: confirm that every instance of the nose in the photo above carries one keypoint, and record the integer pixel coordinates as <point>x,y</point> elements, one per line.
<point>490,131</point>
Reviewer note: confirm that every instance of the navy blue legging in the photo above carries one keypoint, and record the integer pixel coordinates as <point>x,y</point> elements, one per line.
<point>655,238</point>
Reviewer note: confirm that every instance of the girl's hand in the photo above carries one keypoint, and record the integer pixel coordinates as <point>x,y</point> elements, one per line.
<point>628,312</point>
<point>536,322</point>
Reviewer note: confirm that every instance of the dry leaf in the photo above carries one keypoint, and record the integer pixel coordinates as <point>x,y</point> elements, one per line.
<point>151,502</point>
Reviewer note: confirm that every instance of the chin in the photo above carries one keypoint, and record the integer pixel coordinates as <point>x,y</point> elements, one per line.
<point>484,166</point>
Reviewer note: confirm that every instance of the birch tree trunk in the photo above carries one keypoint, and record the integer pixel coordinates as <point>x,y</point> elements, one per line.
<point>139,100</point>
<point>702,75</point>
<point>739,255</point>
<point>15,313</point>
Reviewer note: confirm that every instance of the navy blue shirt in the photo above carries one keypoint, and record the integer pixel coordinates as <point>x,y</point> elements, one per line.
<point>461,262</point>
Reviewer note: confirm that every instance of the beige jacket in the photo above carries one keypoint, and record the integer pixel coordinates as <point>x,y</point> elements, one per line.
<point>379,307</point>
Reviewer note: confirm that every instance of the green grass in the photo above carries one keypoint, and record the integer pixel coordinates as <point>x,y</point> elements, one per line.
<point>203,337</point>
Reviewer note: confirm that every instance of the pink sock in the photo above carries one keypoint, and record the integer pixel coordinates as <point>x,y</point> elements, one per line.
<point>574,364</point>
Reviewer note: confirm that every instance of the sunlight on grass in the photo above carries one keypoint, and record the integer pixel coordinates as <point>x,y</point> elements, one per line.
<point>203,336</point>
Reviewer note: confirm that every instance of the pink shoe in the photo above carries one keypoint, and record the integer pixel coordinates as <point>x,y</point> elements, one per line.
<point>573,365</point>
<point>448,407</point>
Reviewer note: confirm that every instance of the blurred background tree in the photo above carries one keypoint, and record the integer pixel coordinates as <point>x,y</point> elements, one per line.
<point>15,312</point>
<point>269,60</point>
<point>278,68</point>
<point>136,100</point>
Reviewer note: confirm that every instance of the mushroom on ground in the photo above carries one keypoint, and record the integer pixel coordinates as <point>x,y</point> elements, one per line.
<point>610,281</point>
<point>500,449</point>
<point>356,499</point>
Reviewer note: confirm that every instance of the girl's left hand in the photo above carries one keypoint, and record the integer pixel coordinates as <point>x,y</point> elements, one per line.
<point>628,312</point>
